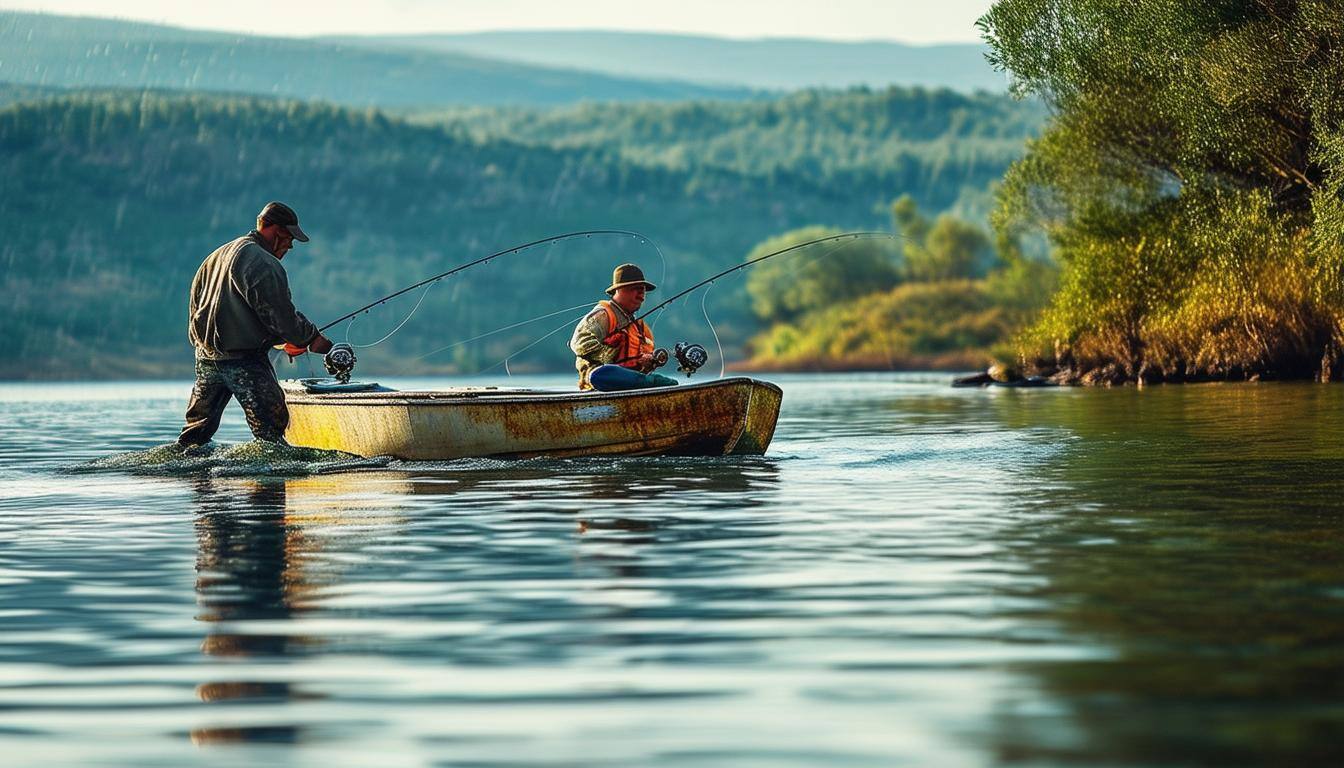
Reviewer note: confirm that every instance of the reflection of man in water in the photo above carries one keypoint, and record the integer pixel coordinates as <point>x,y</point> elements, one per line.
<point>613,349</point>
<point>242,563</point>
<point>244,573</point>
<point>240,308</point>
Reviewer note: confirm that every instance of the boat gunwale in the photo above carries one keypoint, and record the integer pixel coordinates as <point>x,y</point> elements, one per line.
<point>297,396</point>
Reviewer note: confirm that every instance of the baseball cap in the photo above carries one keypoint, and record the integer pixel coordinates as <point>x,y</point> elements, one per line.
<point>279,213</point>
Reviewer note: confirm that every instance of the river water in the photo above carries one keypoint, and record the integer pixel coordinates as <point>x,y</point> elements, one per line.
<point>913,575</point>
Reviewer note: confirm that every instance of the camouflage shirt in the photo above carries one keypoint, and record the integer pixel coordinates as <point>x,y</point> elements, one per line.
<point>586,343</point>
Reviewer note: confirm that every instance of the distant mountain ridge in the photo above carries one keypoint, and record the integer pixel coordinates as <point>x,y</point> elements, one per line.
<point>944,148</point>
<point>81,52</point>
<point>771,63</point>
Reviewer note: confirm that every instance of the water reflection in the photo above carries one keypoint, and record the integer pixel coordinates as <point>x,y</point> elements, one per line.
<point>922,575</point>
<point>625,511</point>
<point>445,564</point>
<point>248,569</point>
<point>1197,541</point>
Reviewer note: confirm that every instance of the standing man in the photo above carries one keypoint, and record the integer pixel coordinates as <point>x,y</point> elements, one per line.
<point>612,349</point>
<point>240,308</point>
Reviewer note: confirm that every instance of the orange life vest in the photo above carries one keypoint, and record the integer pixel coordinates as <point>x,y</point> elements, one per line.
<point>638,339</point>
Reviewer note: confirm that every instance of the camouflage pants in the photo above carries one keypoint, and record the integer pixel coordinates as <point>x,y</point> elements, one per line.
<point>252,381</point>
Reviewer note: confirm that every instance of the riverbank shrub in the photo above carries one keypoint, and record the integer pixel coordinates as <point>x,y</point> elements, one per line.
<point>1191,182</point>
<point>940,295</point>
<point>947,325</point>
<point>1225,291</point>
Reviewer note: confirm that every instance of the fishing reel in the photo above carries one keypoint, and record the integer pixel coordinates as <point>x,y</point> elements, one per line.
<point>690,357</point>
<point>340,362</point>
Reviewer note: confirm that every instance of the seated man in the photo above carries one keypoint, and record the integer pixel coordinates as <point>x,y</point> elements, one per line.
<point>612,349</point>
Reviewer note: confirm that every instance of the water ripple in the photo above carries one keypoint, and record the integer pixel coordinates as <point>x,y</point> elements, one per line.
<point>913,574</point>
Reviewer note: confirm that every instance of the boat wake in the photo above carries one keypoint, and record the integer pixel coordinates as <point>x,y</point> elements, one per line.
<point>252,459</point>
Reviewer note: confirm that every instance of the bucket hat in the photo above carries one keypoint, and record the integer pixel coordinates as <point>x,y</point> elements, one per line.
<point>628,274</point>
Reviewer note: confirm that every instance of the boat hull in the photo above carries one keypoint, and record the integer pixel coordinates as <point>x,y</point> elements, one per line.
<point>728,416</point>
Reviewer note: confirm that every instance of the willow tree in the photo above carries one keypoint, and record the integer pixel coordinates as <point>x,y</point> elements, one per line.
<point>1191,179</point>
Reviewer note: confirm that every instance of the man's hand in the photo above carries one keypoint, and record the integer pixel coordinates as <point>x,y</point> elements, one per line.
<point>646,363</point>
<point>320,344</point>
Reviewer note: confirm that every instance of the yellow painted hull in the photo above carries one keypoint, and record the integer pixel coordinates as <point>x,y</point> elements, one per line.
<point>728,416</point>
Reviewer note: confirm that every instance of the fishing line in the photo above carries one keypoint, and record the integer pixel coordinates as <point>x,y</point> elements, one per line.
<point>484,259</point>
<point>758,259</point>
<point>704,296</point>
<point>717,344</point>
<point>848,237</point>
<point>273,356</point>
<point>404,321</point>
<point>503,329</point>
<point>654,324</point>
<point>516,353</point>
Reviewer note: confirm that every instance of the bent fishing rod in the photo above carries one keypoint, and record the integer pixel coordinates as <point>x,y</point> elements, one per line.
<point>484,259</point>
<point>693,356</point>
<point>758,259</point>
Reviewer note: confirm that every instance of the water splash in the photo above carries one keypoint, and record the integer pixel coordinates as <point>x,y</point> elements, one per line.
<point>251,459</point>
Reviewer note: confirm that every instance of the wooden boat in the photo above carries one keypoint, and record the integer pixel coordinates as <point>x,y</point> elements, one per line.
<point>715,418</point>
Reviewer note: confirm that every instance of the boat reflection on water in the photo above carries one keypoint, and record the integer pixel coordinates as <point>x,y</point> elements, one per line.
<point>272,553</point>
<point>627,514</point>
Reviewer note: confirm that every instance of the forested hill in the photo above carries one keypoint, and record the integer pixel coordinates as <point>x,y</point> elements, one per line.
<point>112,199</point>
<point>10,92</point>
<point>762,63</point>
<point>64,51</point>
<point>938,145</point>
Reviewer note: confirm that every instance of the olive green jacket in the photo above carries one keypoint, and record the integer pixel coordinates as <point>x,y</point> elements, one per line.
<point>241,305</point>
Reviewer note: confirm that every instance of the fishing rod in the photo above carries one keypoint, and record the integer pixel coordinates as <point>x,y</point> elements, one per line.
<point>692,356</point>
<point>484,259</point>
<point>758,259</point>
<point>692,352</point>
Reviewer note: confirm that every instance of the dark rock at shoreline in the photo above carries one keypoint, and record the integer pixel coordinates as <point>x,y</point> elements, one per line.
<point>974,380</point>
<point>999,376</point>
<point>1027,382</point>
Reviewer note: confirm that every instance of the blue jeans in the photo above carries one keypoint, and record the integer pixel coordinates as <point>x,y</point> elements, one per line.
<point>614,378</point>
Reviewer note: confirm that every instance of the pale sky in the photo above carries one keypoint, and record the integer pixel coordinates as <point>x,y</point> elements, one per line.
<point>910,21</point>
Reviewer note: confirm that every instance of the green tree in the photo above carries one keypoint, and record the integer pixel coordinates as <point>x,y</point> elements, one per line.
<point>786,287</point>
<point>1195,153</point>
<point>947,248</point>
<point>907,220</point>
